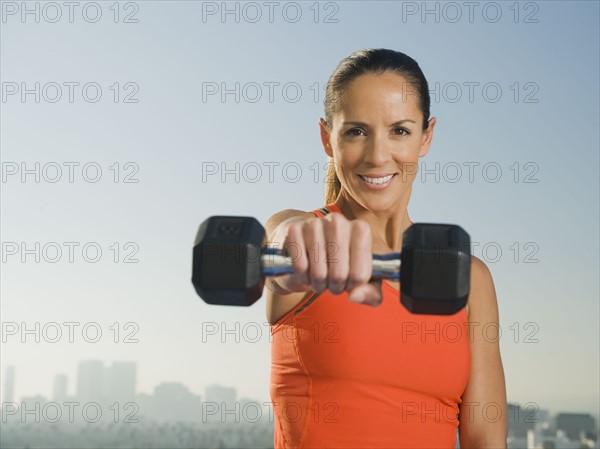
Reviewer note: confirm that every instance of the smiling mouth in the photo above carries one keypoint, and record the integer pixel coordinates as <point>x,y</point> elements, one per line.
<point>377,180</point>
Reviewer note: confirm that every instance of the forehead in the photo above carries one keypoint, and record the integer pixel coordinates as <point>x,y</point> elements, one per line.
<point>388,94</point>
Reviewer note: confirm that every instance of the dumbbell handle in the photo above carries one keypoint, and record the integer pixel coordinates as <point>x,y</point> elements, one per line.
<point>274,263</point>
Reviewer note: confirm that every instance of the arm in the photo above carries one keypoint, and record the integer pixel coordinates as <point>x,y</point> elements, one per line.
<point>483,420</point>
<point>279,300</point>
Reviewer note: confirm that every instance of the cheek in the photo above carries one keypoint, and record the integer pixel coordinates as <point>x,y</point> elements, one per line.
<point>412,147</point>
<point>408,160</point>
<point>347,158</point>
<point>408,154</point>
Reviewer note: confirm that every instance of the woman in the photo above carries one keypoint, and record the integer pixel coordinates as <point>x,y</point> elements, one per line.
<point>351,367</point>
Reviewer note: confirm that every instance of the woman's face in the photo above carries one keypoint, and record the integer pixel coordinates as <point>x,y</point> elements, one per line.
<point>376,133</point>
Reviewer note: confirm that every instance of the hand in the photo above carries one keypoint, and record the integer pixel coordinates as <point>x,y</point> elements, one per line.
<point>331,253</point>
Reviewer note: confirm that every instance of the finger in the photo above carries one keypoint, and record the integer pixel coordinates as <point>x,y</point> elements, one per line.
<point>369,294</point>
<point>293,247</point>
<point>317,262</point>
<point>361,258</point>
<point>337,237</point>
<point>374,292</point>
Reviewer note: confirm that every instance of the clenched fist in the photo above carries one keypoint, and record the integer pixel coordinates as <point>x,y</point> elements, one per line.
<point>331,253</point>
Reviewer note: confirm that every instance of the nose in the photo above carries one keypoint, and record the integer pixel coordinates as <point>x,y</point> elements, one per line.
<point>378,151</point>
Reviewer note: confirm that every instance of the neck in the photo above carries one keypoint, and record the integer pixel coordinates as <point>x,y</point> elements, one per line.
<point>387,225</point>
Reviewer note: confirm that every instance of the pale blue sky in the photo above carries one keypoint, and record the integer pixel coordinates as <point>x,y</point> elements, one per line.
<point>170,54</point>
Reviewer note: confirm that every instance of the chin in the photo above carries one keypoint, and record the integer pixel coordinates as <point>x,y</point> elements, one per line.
<point>379,204</point>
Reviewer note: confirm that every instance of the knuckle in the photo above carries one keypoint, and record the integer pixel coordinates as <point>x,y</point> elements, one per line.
<point>336,288</point>
<point>318,272</point>
<point>337,279</point>
<point>339,223</point>
<point>361,228</point>
<point>333,217</point>
<point>312,224</point>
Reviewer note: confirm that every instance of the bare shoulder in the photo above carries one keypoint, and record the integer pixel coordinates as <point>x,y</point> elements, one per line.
<point>480,271</point>
<point>482,300</point>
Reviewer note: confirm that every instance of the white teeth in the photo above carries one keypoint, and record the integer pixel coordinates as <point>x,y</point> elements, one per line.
<point>377,180</point>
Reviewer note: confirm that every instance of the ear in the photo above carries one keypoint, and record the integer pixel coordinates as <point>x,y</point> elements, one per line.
<point>427,137</point>
<point>325,137</point>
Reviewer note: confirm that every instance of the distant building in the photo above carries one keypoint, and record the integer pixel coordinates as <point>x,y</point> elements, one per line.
<point>8,392</point>
<point>145,412</point>
<point>220,405</point>
<point>218,394</point>
<point>59,390</point>
<point>120,382</point>
<point>252,411</point>
<point>90,381</point>
<point>558,441</point>
<point>520,420</point>
<point>544,427</point>
<point>573,424</point>
<point>517,443</point>
<point>174,402</point>
<point>543,416</point>
<point>31,409</point>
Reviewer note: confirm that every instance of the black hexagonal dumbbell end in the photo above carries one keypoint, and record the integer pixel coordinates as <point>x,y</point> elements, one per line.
<point>226,266</point>
<point>436,267</point>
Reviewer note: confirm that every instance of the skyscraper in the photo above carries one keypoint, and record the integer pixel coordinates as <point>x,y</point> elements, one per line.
<point>90,381</point>
<point>59,391</point>
<point>119,381</point>
<point>8,392</point>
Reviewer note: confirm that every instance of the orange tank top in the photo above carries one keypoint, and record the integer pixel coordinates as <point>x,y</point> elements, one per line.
<point>347,375</point>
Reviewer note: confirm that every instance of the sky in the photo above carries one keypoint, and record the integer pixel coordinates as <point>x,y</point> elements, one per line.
<point>124,125</point>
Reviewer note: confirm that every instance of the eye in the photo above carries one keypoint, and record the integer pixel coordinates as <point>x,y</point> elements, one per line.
<point>353,132</point>
<point>402,131</point>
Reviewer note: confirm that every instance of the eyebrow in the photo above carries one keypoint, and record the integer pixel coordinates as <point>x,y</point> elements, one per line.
<point>399,122</point>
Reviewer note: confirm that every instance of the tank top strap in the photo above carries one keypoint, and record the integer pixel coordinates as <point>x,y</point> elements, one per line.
<point>320,213</point>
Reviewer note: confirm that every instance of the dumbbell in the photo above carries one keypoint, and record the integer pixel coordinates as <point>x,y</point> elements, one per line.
<point>230,264</point>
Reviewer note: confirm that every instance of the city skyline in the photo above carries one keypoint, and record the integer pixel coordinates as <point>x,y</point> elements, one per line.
<point>84,392</point>
<point>109,392</point>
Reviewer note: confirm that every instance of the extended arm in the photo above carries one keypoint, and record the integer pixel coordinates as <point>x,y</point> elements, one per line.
<point>483,420</point>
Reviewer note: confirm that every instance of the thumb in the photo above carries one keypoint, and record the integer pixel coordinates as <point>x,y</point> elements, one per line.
<point>370,293</point>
